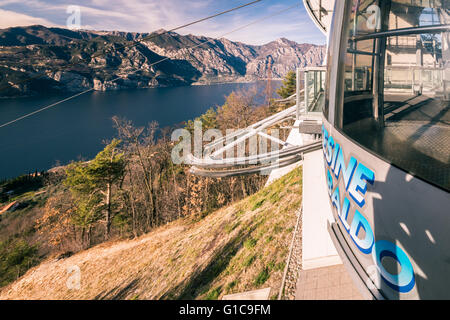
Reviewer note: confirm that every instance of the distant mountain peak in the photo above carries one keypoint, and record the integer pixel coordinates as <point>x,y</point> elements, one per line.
<point>283,40</point>
<point>159,31</point>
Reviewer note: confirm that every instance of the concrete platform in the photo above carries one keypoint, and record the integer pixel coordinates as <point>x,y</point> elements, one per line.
<point>327,283</point>
<point>295,138</point>
<point>317,247</point>
<point>262,294</point>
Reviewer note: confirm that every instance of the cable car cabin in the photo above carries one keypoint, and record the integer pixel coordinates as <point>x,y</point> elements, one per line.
<point>386,143</point>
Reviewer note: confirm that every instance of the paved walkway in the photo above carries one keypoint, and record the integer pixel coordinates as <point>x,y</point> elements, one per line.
<point>327,283</point>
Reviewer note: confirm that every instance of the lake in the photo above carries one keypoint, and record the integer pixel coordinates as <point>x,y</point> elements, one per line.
<point>75,129</point>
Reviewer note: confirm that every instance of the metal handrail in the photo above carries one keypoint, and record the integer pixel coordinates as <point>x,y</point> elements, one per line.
<point>244,171</point>
<point>267,157</point>
<point>258,126</point>
<point>281,162</point>
<point>403,31</point>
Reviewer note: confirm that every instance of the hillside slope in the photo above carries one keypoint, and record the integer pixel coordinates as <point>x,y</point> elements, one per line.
<point>238,248</point>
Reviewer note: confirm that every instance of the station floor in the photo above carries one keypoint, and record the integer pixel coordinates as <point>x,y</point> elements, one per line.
<point>415,136</point>
<point>326,283</point>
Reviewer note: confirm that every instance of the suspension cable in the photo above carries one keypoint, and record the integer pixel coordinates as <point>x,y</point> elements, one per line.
<point>137,41</point>
<point>150,65</point>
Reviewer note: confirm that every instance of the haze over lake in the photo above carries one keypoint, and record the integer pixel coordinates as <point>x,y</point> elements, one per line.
<point>75,129</point>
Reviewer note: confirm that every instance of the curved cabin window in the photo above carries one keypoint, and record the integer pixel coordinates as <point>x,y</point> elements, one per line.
<point>396,80</point>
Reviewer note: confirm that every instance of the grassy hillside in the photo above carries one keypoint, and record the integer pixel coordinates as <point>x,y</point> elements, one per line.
<point>19,241</point>
<point>239,248</point>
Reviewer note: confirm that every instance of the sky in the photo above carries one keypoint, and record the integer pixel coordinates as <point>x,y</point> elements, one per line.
<point>151,15</point>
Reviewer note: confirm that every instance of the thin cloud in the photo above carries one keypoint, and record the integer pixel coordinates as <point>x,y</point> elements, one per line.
<point>150,15</point>
<point>13,19</point>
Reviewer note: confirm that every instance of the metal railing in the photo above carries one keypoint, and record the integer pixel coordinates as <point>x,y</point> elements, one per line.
<point>215,164</point>
<point>314,89</point>
<point>282,160</point>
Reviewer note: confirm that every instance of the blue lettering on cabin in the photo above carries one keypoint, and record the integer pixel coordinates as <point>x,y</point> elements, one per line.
<point>347,171</point>
<point>358,186</point>
<point>359,222</point>
<point>344,214</point>
<point>329,182</point>
<point>356,176</point>
<point>403,281</point>
<point>329,153</point>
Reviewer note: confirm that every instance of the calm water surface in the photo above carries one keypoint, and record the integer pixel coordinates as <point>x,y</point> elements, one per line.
<point>75,129</point>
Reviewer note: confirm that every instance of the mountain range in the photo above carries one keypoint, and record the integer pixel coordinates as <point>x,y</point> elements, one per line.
<point>62,60</point>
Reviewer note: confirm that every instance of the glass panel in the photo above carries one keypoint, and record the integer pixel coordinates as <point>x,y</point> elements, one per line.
<point>358,72</point>
<point>398,105</point>
<point>332,53</point>
<point>359,56</point>
<point>418,13</point>
<point>315,84</point>
<point>310,89</point>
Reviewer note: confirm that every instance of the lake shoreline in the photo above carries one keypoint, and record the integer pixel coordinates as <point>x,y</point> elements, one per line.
<point>241,80</point>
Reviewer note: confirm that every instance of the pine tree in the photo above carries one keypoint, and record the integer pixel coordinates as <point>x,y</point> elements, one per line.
<point>208,119</point>
<point>91,185</point>
<point>289,85</point>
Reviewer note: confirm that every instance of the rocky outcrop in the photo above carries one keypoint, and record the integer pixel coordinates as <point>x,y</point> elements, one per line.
<point>65,60</point>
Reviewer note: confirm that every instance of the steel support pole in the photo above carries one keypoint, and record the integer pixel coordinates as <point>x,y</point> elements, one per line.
<point>306,91</point>
<point>297,116</point>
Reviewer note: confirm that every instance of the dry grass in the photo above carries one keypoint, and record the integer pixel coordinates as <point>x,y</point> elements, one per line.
<point>238,248</point>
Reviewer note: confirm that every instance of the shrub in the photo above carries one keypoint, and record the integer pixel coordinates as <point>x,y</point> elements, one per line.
<point>250,243</point>
<point>214,294</point>
<point>248,261</point>
<point>16,257</point>
<point>262,277</point>
<point>258,204</point>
